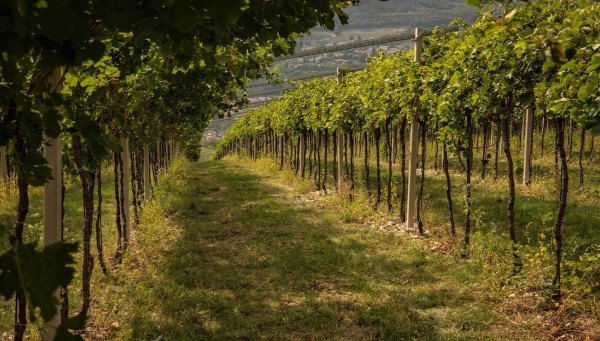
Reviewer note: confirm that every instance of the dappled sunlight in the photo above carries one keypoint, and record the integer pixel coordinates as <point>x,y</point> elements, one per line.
<point>237,257</point>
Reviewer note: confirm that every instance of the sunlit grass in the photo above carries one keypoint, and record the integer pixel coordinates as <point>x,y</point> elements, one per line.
<point>229,251</point>
<point>239,249</point>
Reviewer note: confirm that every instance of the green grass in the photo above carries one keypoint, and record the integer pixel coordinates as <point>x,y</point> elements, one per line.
<point>225,252</point>
<point>236,249</point>
<point>523,301</point>
<point>73,222</point>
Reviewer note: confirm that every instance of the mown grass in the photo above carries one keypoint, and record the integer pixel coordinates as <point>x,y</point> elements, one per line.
<point>523,300</point>
<point>237,249</point>
<point>73,222</point>
<point>225,252</point>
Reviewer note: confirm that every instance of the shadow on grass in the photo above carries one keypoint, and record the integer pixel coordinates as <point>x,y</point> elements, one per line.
<point>535,205</point>
<point>251,262</point>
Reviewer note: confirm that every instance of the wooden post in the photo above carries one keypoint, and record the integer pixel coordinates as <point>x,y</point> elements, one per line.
<point>4,168</point>
<point>146,174</point>
<point>340,146</point>
<point>528,146</point>
<point>126,188</point>
<point>414,146</point>
<point>52,205</point>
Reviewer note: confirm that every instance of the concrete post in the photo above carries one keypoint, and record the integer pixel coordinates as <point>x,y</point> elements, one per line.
<point>528,146</point>
<point>340,146</point>
<point>414,146</point>
<point>302,153</point>
<point>146,174</point>
<point>126,188</point>
<point>52,205</point>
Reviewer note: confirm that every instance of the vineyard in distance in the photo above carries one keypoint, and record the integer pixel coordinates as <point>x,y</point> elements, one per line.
<point>370,19</point>
<point>441,185</point>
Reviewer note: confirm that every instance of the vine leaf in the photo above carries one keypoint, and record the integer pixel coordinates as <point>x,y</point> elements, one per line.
<point>63,332</point>
<point>39,273</point>
<point>227,12</point>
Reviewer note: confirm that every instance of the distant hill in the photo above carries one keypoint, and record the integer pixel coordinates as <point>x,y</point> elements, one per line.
<point>374,18</point>
<point>369,19</point>
<point>373,14</point>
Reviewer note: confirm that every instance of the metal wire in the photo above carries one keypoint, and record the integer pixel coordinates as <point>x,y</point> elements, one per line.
<point>418,36</point>
<point>362,43</point>
<point>353,45</point>
<point>341,47</point>
<point>259,103</point>
<point>259,94</point>
<point>288,80</point>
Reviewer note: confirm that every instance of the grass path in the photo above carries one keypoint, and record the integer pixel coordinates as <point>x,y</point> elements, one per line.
<point>224,252</point>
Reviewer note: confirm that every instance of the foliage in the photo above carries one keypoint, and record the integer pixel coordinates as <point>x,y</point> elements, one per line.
<point>541,54</point>
<point>147,70</point>
<point>527,55</point>
<point>39,273</point>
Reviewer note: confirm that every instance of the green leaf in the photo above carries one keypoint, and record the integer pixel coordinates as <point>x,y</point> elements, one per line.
<point>593,124</point>
<point>52,122</point>
<point>95,138</point>
<point>39,273</point>
<point>87,81</point>
<point>5,134</point>
<point>63,332</point>
<point>36,171</point>
<point>588,88</point>
<point>94,51</point>
<point>593,67</point>
<point>227,12</point>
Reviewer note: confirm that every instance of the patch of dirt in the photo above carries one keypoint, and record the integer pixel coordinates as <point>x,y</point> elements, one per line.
<point>394,225</point>
<point>534,315</point>
<point>314,196</point>
<point>321,285</point>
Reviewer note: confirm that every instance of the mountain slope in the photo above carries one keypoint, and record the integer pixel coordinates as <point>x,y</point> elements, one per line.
<point>373,18</point>
<point>368,19</point>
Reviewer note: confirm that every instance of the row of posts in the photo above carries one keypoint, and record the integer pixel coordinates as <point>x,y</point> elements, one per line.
<point>53,188</point>
<point>414,144</point>
<point>53,208</point>
<point>52,194</point>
